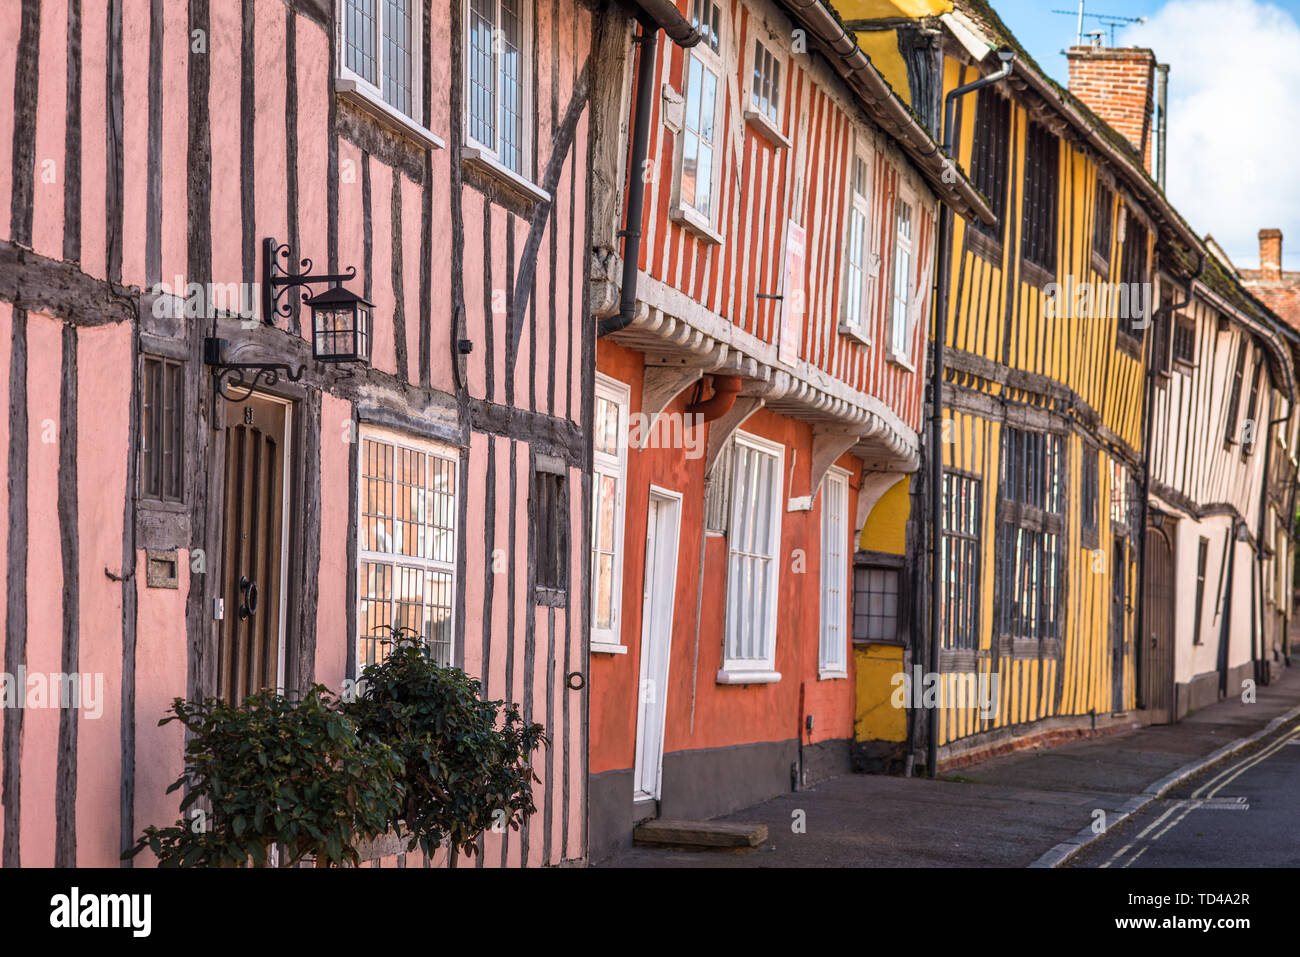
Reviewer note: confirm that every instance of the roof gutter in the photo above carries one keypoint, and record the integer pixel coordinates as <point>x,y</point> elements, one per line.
<point>665,15</point>
<point>888,110</point>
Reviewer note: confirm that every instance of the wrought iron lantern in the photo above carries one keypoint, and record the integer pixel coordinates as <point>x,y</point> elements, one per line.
<point>341,326</point>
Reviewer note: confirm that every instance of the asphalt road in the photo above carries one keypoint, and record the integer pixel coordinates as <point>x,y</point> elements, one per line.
<point>1241,812</point>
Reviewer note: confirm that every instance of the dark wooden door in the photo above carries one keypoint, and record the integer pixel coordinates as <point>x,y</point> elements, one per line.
<point>1158,615</point>
<point>249,656</point>
<point>1118,621</point>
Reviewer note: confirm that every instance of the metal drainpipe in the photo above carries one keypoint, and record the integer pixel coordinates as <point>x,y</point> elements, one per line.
<point>1162,97</point>
<point>648,41</point>
<point>657,14</point>
<point>944,240</point>
<point>1140,533</point>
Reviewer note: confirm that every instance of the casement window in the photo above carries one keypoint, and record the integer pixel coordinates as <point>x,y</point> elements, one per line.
<point>1038,238</point>
<point>1103,220</point>
<point>609,488</point>
<point>380,50</point>
<point>989,155</point>
<point>765,84</point>
<point>162,429</point>
<point>1250,428</point>
<point>498,77</point>
<point>1184,344</point>
<point>861,260</point>
<point>699,162</point>
<point>1234,396</point>
<point>717,500</point>
<point>1161,335</point>
<point>1089,478</point>
<point>550,537</point>
<point>903,266</point>
<point>1122,495</point>
<point>1202,553</point>
<point>406,546</point>
<point>1133,273</point>
<point>960,560</point>
<point>1030,535</point>
<point>753,562</point>
<point>832,658</point>
<point>877,597</point>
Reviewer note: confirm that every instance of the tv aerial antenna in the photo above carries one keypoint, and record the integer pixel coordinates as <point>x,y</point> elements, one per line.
<point>1107,20</point>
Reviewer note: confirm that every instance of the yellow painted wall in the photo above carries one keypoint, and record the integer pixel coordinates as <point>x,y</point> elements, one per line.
<point>877,719</point>
<point>885,529</point>
<point>882,47</point>
<point>880,9</point>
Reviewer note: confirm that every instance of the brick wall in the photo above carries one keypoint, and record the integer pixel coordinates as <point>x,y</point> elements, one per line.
<point>1116,83</point>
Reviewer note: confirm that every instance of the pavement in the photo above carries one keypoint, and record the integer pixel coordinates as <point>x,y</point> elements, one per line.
<point>1042,807</point>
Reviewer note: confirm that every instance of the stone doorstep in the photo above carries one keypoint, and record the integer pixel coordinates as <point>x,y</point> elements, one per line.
<point>700,834</point>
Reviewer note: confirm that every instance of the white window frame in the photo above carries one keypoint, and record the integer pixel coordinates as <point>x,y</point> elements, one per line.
<point>687,214</point>
<point>862,207</point>
<point>488,155</point>
<point>832,648</point>
<point>447,453</point>
<point>896,339</point>
<point>769,127</point>
<point>370,96</point>
<point>760,668</point>
<point>608,640</point>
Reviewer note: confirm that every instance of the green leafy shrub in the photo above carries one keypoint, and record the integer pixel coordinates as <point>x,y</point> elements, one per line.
<point>275,770</point>
<point>467,761</point>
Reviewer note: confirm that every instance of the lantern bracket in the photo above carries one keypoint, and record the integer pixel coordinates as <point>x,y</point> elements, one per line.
<point>236,381</point>
<point>277,279</point>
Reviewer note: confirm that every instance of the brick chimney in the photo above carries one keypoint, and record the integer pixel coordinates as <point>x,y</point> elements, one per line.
<point>1270,254</point>
<point>1115,83</point>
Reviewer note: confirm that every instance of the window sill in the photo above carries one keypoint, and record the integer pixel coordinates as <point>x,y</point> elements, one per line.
<point>1128,344</point>
<point>832,675</point>
<point>358,95</point>
<point>490,166</point>
<point>689,218</point>
<point>767,128</point>
<point>1035,275</point>
<point>605,648</point>
<point>553,597</point>
<point>854,333</point>
<point>988,248</point>
<point>898,359</point>
<point>734,676</point>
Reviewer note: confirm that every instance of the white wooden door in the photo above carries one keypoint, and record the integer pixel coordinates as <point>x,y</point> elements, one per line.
<point>662,527</point>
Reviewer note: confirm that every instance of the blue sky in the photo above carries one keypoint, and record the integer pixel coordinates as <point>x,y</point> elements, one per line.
<point>1234,104</point>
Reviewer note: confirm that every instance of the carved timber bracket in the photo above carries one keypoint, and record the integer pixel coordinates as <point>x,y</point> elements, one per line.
<point>663,383</point>
<point>828,445</point>
<point>722,428</point>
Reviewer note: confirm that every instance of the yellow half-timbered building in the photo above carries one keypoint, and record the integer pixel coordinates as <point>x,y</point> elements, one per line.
<point>1050,320</point>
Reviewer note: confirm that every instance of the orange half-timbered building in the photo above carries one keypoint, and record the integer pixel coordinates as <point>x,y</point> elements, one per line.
<point>759,391</point>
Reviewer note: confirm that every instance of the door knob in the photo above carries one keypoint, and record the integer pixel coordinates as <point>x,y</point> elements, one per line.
<point>249,605</point>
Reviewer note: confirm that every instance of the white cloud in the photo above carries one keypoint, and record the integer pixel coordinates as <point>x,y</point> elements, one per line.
<point>1234,118</point>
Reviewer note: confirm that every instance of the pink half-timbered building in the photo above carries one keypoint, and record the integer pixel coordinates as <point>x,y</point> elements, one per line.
<point>180,523</point>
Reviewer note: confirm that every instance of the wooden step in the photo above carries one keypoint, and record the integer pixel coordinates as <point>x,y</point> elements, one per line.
<point>700,833</point>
